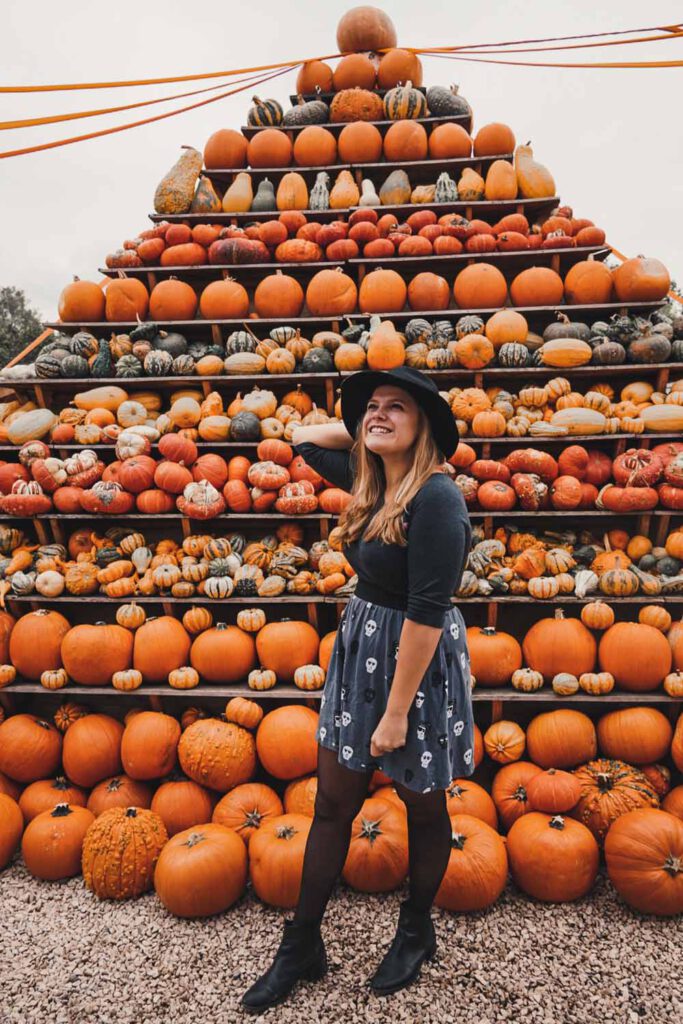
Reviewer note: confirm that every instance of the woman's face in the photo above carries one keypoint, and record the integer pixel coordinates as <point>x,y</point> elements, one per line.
<point>390,423</point>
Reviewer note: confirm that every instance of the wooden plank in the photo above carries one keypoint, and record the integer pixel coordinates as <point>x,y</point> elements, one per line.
<point>336,127</point>
<point>331,599</point>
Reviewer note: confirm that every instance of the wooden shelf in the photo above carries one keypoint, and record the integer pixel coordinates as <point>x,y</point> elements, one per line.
<point>284,692</point>
<point>427,171</point>
<point>482,208</point>
<point>595,513</point>
<point>465,120</point>
<point>197,328</point>
<point>171,383</point>
<point>250,517</point>
<point>225,175</point>
<point>331,599</point>
<point>247,273</point>
<point>327,97</point>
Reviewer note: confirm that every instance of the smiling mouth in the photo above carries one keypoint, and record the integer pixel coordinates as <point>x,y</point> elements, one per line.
<point>379,430</point>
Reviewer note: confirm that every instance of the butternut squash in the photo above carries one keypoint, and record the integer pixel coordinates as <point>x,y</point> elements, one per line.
<point>107,397</point>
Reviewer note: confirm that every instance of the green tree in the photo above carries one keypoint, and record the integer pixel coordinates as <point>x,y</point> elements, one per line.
<point>19,323</point>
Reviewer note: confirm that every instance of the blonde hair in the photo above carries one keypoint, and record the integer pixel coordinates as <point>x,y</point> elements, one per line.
<point>369,485</point>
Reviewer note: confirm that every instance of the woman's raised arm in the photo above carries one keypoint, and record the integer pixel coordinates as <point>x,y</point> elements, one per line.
<point>326,435</point>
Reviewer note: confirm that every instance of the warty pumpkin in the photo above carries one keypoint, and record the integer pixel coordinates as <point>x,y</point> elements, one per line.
<point>133,833</point>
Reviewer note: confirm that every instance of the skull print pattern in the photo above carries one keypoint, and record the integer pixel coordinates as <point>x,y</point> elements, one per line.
<point>440,740</point>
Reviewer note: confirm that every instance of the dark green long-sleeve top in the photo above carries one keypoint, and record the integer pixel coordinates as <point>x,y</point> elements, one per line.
<point>421,577</point>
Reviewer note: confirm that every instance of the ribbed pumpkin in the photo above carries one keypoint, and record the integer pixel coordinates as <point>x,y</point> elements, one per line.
<point>276,855</point>
<point>561,739</point>
<point>509,791</point>
<point>540,846</point>
<point>608,790</point>
<point>91,654</point>
<point>35,643</point>
<point>477,869</point>
<point>92,749</point>
<point>559,645</point>
<point>494,655</point>
<point>223,654</point>
<point>246,807</point>
<point>148,745</point>
<point>377,859</point>
<point>644,852</point>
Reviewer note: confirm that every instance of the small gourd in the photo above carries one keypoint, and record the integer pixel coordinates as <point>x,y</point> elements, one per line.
<point>345,192</point>
<point>534,180</point>
<point>292,192</point>
<point>265,197</point>
<point>423,194</point>
<point>471,185</point>
<point>205,199</point>
<point>396,189</point>
<point>443,102</point>
<point>240,195</point>
<point>368,196</point>
<point>319,198</point>
<point>264,113</point>
<point>446,190</point>
<point>405,102</point>
<point>101,365</point>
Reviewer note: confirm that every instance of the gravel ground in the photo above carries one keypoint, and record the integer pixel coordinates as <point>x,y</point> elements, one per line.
<point>73,960</point>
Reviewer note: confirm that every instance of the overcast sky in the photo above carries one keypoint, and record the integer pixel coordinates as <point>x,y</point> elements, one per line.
<point>612,139</point>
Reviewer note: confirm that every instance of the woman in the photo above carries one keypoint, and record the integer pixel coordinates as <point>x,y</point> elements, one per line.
<point>397,695</point>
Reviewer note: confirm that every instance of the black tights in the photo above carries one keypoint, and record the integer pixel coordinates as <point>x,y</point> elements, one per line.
<point>340,796</point>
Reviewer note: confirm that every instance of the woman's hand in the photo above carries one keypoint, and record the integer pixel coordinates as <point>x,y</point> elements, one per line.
<point>390,734</point>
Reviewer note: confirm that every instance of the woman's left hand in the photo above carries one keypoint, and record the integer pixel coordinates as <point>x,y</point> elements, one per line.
<point>390,734</point>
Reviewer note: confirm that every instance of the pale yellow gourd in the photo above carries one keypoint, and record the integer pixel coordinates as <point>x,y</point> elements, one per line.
<point>580,421</point>
<point>533,179</point>
<point>666,417</point>
<point>501,181</point>
<point>471,186</point>
<point>31,426</point>
<point>186,412</point>
<point>423,194</point>
<point>369,195</point>
<point>107,397</point>
<point>239,196</point>
<point>151,400</point>
<point>131,414</point>
<point>292,192</point>
<point>214,428</point>
<point>345,192</point>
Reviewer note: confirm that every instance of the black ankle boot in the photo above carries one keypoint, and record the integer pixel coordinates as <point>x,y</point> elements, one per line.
<point>413,943</point>
<point>300,956</point>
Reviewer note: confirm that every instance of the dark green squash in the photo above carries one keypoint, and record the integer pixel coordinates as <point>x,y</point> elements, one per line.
<point>107,554</point>
<point>102,363</point>
<point>307,112</point>
<point>198,349</point>
<point>443,102</point>
<point>418,330</point>
<point>647,562</point>
<point>317,360</point>
<point>74,366</point>
<point>566,328</point>
<point>49,364</point>
<point>144,331</point>
<point>608,353</point>
<point>129,366</point>
<point>623,328</point>
<point>667,566</point>
<point>245,426</point>
<point>170,341</point>
<point>246,587</point>
<point>83,344</point>
<point>264,199</point>
<point>650,347</point>
<point>442,332</point>
<point>353,331</point>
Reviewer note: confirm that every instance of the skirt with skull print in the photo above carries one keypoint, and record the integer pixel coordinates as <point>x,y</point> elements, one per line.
<point>440,740</point>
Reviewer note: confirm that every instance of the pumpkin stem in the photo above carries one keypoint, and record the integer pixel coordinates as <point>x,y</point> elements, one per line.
<point>557,822</point>
<point>457,840</point>
<point>131,812</point>
<point>61,811</point>
<point>194,839</point>
<point>369,830</point>
<point>673,865</point>
<point>285,831</point>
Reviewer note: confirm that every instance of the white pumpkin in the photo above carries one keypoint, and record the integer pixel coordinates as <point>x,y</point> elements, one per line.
<point>31,426</point>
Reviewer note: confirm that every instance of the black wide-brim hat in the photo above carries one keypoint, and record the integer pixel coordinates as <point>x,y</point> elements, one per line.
<point>357,390</point>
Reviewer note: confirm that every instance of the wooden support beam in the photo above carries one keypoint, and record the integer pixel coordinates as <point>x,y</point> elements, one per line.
<point>496,711</point>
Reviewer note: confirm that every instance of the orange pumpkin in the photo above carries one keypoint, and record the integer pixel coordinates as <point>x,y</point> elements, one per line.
<point>399,66</point>
<point>279,297</point>
<point>160,645</point>
<point>269,148</point>
<point>81,302</point>
<point>449,141</point>
<point>355,71</point>
<point>224,300</point>
<point>494,139</point>
<point>537,286</point>
<point>285,741</point>
<point>382,291</point>
<point>480,286</point>
<point>331,293</point>
<point>223,654</point>
<point>360,142</point>
<point>172,300</point>
<point>226,148</point>
<point>406,140</point>
<point>315,147</point>
<point>126,298</point>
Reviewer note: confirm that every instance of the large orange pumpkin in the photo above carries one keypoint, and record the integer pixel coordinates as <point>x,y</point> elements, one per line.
<point>641,279</point>
<point>201,871</point>
<point>118,791</point>
<point>428,291</point>
<point>285,741</point>
<point>494,655</point>
<point>406,140</point>
<point>220,755</point>
<point>92,749</point>
<point>639,735</point>
<point>285,645</point>
<point>480,286</point>
<point>477,869</point>
<point>637,655</point>
<point>382,291</point>
<point>561,739</point>
<point>494,139</point>
<point>223,654</point>
<point>246,807</point>
<point>226,148</point>
<point>537,286</point>
<point>644,853</point>
<point>315,147</point>
<point>279,296</point>
<point>172,300</point>
<point>540,847</point>
<point>81,302</point>
<point>313,75</point>
<point>377,858</point>
<point>149,744</point>
<point>276,859</point>
<point>449,141</point>
<point>91,654</point>
<point>11,827</point>
<point>331,293</point>
<point>269,148</point>
<point>52,843</point>
<point>30,748</point>
<point>509,791</point>
<point>559,645</point>
<point>360,142</point>
<point>399,66</point>
<point>161,645</point>
<point>365,28</point>
<point>354,72</point>
<point>466,797</point>
<point>588,282</point>
<point>45,794</point>
<point>224,300</point>
<point>609,789</point>
<point>35,643</point>
<point>126,298</point>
